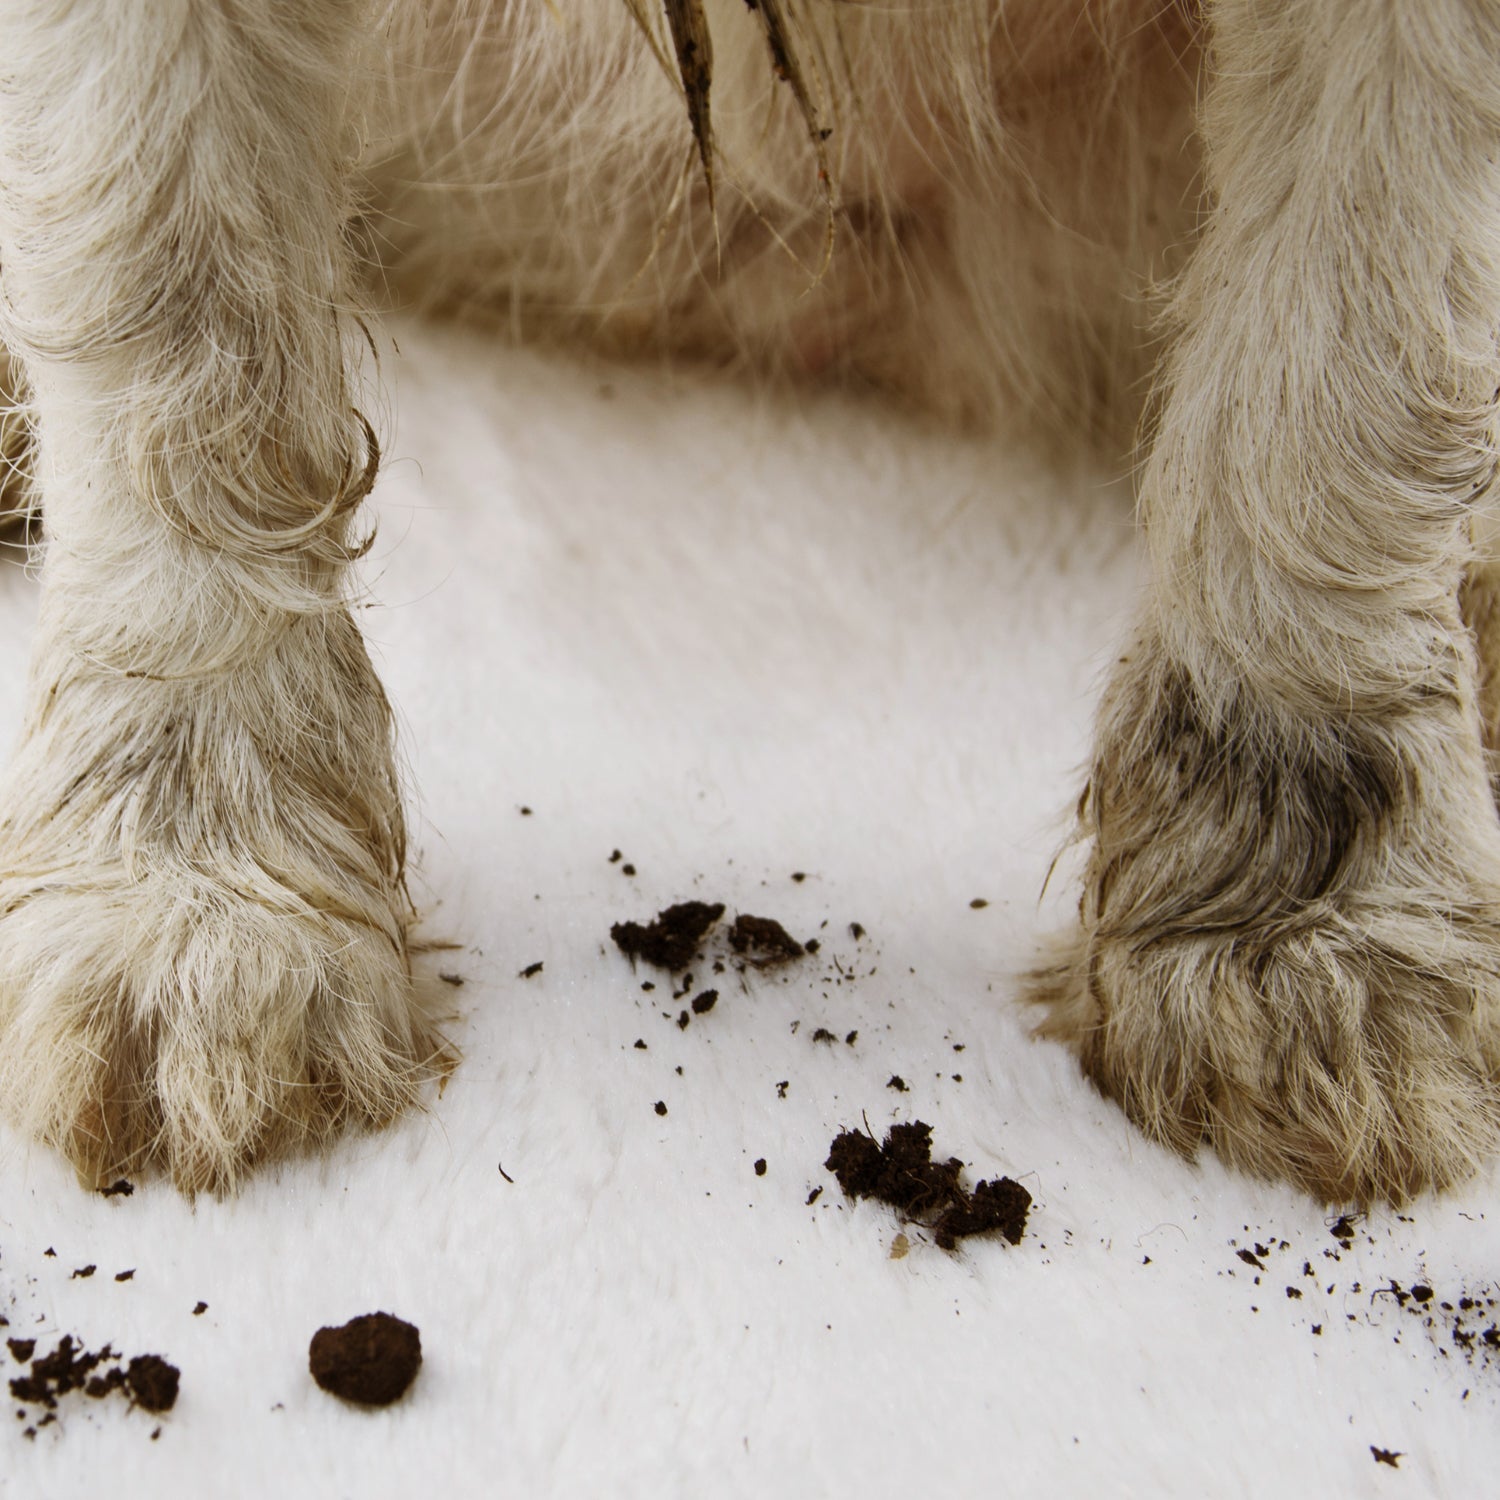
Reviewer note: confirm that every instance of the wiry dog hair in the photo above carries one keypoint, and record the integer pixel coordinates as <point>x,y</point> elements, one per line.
<point>965,203</point>
<point>1289,934</point>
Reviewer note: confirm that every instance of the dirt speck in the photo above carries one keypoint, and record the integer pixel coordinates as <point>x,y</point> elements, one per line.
<point>370,1360</point>
<point>670,940</point>
<point>900,1172</point>
<point>149,1381</point>
<point>763,941</point>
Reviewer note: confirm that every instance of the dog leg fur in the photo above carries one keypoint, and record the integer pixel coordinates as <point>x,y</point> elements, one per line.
<point>1289,945</point>
<point>203,955</point>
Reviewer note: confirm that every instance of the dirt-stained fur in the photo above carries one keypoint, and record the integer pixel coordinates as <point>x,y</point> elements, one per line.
<point>1289,935</point>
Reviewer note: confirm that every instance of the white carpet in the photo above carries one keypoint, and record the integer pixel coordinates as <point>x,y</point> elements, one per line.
<point>739,637</point>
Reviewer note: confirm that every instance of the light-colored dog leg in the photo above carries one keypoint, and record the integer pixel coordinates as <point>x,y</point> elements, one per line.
<point>1290,936</point>
<point>203,958</point>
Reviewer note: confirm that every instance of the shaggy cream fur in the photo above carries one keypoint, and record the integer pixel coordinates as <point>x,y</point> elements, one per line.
<point>1290,937</point>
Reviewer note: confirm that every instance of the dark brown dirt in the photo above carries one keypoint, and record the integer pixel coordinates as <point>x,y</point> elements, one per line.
<point>900,1172</point>
<point>152,1382</point>
<point>148,1381</point>
<point>670,941</point>
<point>370,1360</point>
<point>763,941</point>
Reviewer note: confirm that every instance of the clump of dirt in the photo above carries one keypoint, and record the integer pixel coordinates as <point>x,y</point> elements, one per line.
<point>370,1360</point>
<point>900,1172</point>
<point>670,941</point>
<point>148,1380</point>
<point>763,941</point>
<point>152,1382</point>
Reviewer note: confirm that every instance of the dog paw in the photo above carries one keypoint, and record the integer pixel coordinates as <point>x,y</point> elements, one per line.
<point>1290,952</point>
<point>175,1022</point>
<point>1353,1069</point>
<point>203,947</point>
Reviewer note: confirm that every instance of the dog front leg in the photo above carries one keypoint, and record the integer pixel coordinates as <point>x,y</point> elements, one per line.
<point>1290,936</point>
<point>203,956</point>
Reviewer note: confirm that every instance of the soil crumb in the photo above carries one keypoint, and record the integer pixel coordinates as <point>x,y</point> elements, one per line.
<point>900,1172</point>
<point>763,941</point>
<point>371,1360</point>
<point>670,941</point>
<point>148,1380</point>
<point>152,1382</point>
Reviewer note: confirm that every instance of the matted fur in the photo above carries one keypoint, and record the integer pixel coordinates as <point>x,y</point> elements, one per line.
<point>1290,935</point>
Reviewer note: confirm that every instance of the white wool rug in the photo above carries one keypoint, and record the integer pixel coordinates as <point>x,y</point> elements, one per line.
<point>813,661</point>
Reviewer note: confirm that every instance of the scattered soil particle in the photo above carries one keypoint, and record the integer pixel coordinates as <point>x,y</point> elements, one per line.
<point>823,1034</point>
<point>898,1083</point>
<point>763,941</point>
<point>530,971</point>
<point>1387,1456</point>
<point>856,930</point>
<point>851,1038</point>
<point>1343,1231</point>
<point>83,1273</point>
<point>901,1172</point>
<point>760,1166</point>
<point>813,1196</point>
<point>640,1044</point>
<point>671,939</point>
<point>152,1382</point>
<point>21,1350</point>
<point>125,1275</point>
<point>682,1020</point>
<point>627,869</point>
<point>200,1309</point>
<point>456,980</point>
<point>782,1087</point>
<point>705,1002</point>
<point>978,904</point>
<point>120,1189</point>
<point>615,857</point>
<point>799,876</point>
<point>149,1381</point>
<point>370,1360</point>
<point>1251,1259</point>
<point>660,1106</point>
<point>999,1203</point>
